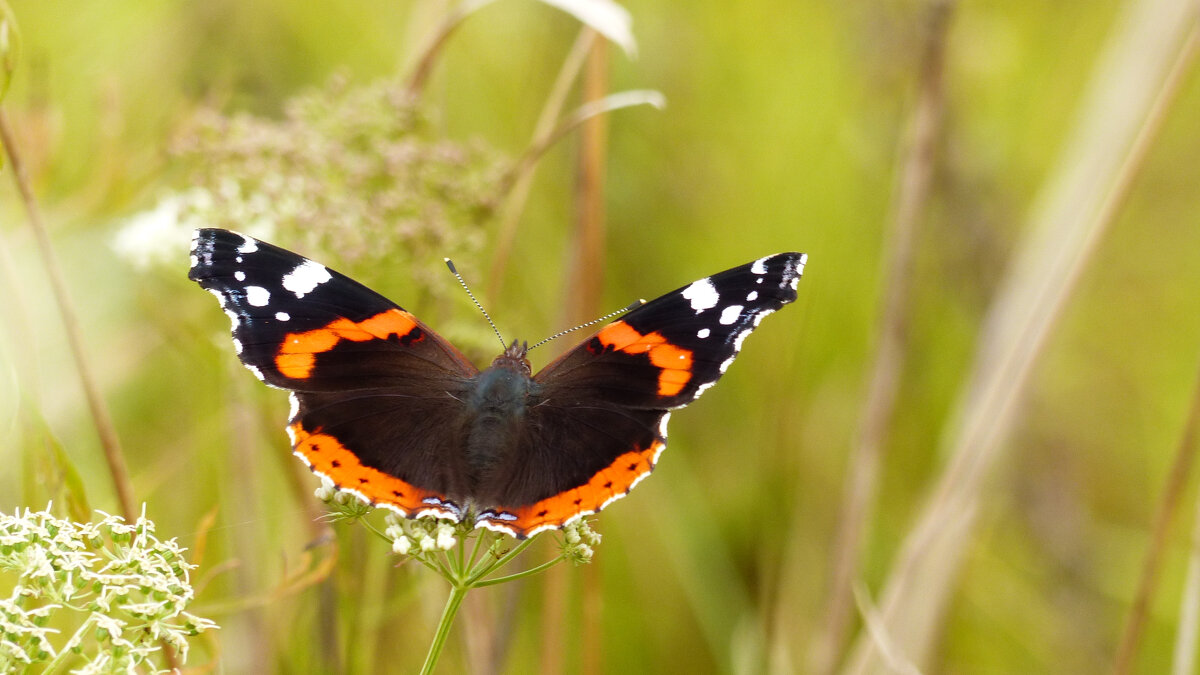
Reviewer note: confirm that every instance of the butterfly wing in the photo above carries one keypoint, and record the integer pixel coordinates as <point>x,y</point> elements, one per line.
<point>376,395</point>
<point>600,423</point>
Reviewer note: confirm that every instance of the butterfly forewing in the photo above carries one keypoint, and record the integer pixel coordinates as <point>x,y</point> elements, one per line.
<point>686,338</point>
<point>300,325</point>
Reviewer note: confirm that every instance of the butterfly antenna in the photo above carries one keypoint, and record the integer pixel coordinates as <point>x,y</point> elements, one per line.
<point>472,295</point>
<point>593,322</point>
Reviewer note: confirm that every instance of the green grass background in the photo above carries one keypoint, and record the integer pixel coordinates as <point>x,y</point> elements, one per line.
<point>782,131</point>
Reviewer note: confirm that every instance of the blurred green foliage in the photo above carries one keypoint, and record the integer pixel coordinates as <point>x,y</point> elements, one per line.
<point>782,129</point>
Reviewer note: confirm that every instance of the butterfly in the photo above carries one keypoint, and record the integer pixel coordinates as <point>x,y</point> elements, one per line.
<point>390,411</point>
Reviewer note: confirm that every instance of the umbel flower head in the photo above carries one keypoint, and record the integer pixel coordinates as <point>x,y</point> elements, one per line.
<point>430,540</point>
<point>354,171</point>
<point>119,590</point>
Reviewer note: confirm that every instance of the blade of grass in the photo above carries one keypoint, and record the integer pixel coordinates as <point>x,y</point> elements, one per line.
<point>1188,630</point>
<point>432,47</point>
<point>914,178</point>
<point>1118,120</point>
<point>1168,508</point>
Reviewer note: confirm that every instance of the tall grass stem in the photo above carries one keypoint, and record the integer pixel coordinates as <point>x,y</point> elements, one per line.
<point>914,178</point>
<point>105,429</point>
<point>1103,154</point>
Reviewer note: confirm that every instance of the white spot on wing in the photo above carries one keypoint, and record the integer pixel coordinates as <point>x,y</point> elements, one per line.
<point>703,333</point>
<point>730,314</point>
<point>752,296</point>
<point>725,364</point>
<point>759,266</point>
<point>662,425</point>
<point>248,246</point>
<point>257,372</point>
<point>237,346</point>
<point>239,275</point>
<point>295,407</point>
<point>282,316</point>
<point>307,276</point>
<point>257,296</point>
<point>702,295</point>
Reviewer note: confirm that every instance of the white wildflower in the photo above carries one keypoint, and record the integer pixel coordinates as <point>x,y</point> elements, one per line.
<point>402,545</point>
<point>445,536</point>
<point>121,586</point>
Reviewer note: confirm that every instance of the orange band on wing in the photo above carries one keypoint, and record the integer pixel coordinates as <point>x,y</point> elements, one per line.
<point>326,456</point>
<point>609,484</point>
<point>675,363</point>
<point>297,354</point>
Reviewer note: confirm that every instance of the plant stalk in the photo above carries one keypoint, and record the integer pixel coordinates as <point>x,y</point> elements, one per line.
<point>457,594</point>
<point>66,309</point>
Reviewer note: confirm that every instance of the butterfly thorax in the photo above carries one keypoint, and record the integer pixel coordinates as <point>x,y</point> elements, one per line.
<point>496,409</point>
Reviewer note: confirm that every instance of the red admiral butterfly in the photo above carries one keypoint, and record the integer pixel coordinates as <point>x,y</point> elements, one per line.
<point>385,408</point>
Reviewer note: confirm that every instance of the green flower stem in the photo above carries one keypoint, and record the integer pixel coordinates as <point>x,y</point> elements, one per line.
<point>457,594</point>
<point>519,575</point>
<point>366,523</point>
<point>485,569</point>
<point>445,571</point>
<point>475,552</point>
<point>65,652</point>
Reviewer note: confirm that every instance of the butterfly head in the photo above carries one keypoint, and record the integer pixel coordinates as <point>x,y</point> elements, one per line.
<point>514,358</point>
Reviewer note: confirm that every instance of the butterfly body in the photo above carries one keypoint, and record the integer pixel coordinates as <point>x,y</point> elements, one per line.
<point>387,409</point>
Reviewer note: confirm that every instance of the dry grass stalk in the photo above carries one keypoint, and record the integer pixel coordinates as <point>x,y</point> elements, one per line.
<point>522,180</point>
<point>1079,200</point>
<point>914,177</point>
<point>1188,630</point>
<point>107,432</point>
<point>1185,454</point>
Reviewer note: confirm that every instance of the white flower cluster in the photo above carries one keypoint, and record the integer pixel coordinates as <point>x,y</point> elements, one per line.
<point>420,535</point>
<point>578,541</point>
<point>121,589</point>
